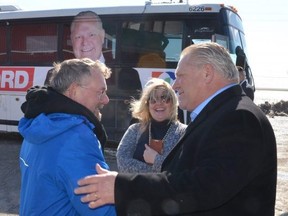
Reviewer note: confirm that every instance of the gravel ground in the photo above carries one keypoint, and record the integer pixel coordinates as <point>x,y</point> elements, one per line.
<point>280,126</point>
<point>10,176</point>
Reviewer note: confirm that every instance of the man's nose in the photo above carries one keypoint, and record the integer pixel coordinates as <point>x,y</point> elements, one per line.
<point>175,84</point>
<point>105,99</point>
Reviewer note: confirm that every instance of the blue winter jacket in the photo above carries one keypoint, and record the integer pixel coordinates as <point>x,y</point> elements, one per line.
<point>58,150</point>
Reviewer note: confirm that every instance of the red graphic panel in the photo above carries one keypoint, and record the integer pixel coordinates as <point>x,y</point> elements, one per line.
<point>156,74</point>
<point>16,79</point>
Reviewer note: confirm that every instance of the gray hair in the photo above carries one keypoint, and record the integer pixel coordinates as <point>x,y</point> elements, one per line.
<point>75,71</point>
<point>88,16</point>
<point>215,55</point>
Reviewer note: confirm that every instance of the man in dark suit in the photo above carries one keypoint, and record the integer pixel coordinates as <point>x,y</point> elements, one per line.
<point>224,165</point>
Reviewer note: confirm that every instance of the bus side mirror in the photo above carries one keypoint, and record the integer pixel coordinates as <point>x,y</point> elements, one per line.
<point>241,57</point>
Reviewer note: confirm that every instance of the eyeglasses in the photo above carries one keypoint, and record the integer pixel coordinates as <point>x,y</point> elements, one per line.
<point>160,95</point>
<point>100,94</point>
<point>161,99</point>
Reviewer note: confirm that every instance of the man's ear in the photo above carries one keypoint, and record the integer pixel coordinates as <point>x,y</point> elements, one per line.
<point>208,74</point>
<point>103,35</point>
<point>72,91</point>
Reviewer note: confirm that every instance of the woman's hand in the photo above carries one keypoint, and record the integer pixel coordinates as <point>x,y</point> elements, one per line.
<point>149,154</point>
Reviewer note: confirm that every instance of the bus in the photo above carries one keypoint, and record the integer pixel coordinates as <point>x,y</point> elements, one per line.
<point>141,42</point>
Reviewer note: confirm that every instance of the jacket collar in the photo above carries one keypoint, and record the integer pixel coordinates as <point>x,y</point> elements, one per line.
<point>43,99</point>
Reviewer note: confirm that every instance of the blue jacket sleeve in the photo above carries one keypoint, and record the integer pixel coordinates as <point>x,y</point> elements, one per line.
<point>78,159</point>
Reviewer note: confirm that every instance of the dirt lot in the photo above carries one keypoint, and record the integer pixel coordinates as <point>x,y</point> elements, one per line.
<point>10,176</point>
<point>280,126</point>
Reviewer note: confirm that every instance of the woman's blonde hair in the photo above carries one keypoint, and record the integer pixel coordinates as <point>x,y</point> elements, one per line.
<point>140,108</point>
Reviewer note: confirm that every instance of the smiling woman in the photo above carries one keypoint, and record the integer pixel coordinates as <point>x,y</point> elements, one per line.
<point>146,144</point>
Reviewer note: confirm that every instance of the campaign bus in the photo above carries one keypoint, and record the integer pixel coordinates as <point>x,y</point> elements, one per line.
<point>141,42</point>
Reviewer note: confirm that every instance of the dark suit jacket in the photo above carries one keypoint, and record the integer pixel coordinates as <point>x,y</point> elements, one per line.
<point>224,165</point>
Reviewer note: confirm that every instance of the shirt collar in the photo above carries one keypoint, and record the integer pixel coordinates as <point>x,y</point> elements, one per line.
<point>201,106</point>
<point>102,59</point>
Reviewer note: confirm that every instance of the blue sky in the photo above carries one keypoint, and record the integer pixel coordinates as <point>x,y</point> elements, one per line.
<point>265,24</point>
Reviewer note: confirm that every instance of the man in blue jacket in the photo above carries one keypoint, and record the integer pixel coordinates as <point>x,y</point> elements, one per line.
<point>224,165</point>
<point>61,142</point>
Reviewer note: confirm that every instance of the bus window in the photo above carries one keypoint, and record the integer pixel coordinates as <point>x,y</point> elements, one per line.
<point>66,43</point>
<point>151,43</point>
<point>234,20</point>
<point>234,38</point>
<point>140,44</point>
<point>33,43</point>
<point>109,46</point>
<point>234,30</point>
<point>3,48</point>
<point>243,42</point>
<point>221,39</point>
<point>201,30</point>
<point>174,32</point>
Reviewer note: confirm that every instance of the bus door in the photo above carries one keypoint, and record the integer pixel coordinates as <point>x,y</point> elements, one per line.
<point>9,110</point>
<point>136,50</point>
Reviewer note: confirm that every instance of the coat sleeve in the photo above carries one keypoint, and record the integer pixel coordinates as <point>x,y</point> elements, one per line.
<point>125,161</point>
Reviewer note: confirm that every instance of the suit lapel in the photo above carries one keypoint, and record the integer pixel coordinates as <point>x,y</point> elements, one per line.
<point>208,110</point>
